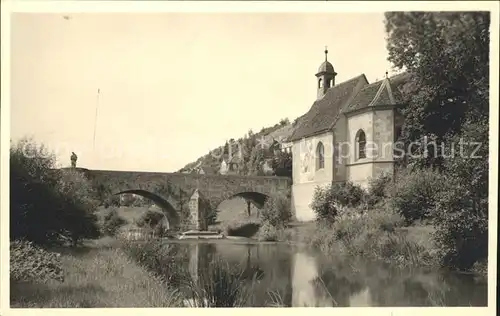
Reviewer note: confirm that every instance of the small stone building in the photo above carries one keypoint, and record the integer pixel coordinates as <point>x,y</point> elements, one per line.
<point>347,135</point>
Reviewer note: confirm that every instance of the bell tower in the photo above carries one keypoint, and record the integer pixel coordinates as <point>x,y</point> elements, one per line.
<point>325,77</point>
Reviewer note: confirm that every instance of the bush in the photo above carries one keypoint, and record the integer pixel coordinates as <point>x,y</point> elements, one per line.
<point>414,194</point>
<point>29,263</point>
<point>461,228</point>
<point>378,189</point>
<point>47,205</point>
<point>268,232</point>
<point>327,201</point>
<point>372,235</point>
<point>277,211</point>
<point>150,219</point>
<point>112,223</point>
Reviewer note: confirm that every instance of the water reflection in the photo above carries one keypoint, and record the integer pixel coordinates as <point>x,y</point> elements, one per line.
<point>286,276</point>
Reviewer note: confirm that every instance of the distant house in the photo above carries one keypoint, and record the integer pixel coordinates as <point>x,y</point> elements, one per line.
<point>223,167</point>
<point>234,164</point>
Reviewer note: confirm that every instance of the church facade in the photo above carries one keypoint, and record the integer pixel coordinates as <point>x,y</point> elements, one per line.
<point>347,135</point>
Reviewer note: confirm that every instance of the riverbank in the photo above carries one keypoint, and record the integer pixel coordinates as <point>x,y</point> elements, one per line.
<point>98,274</point>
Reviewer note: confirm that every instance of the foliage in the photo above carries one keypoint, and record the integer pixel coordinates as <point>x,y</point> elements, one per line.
<point>277,211</point>
<point>447,56</point>
<point>282,164</point>
<point>112,223</point>
<point>461,216</point>
<point>153,220</point>
<point>103,277</point>
<point>328,200</point>
<point>413,194</point>
<point>375,235</point>
<point>268,232</point>
<point>285,121</point>
<point>29,263</point>
<point>166,261</point>
<point>222,285</point>
<point>378,189</point>
<point>255,162</point>
<point>461,228</point>
<point>254,155</point>
<point>247,228</point>
<point>47,205</point>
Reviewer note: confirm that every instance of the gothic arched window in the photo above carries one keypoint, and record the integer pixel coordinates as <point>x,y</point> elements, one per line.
<point>320,156</point>
<point>320,83</point>
<point>361,144</point>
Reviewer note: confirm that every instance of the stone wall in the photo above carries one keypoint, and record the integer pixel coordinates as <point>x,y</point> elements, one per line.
<point>178,188</point>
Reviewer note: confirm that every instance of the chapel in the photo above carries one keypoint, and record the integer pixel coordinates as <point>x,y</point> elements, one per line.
<point>347,135</point>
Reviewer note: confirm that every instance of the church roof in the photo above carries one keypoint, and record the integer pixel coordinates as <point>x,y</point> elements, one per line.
<point>383,92</point>
<point>325,111</point>
<point>348,96</point>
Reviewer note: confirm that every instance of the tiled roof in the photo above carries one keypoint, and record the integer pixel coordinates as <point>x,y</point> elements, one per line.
<point>383,92</point>
<point>325,111</point>
<point>397,83</point>
<point>364,96</point>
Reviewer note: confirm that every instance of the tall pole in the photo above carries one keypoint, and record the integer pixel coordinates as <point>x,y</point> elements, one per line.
<point>95,119</point>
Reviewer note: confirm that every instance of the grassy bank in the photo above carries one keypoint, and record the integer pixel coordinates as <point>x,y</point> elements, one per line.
<point>96,275</point>
<point>403,223</point>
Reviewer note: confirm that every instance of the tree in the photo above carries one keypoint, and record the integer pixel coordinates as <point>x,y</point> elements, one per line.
<point>47,205</point>
<point>282,164</point>
<point>255,162</point>
<point>112,223</point>
<point>154,221</point>
<point>284,121</point>
<point>447,57</point>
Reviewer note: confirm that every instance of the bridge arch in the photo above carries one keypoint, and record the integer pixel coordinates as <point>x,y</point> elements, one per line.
<point>257,198</point>
<point>167,208</point>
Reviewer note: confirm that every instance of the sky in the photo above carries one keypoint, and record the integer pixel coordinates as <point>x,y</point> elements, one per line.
<point>174,85</point>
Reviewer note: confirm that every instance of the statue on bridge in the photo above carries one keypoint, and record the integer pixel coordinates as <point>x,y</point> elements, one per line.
<point>74,158</point>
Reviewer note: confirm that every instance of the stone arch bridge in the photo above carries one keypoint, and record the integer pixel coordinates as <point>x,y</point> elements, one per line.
<point>197,193</point>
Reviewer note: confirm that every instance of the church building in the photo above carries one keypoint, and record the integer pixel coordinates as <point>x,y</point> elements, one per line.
<point>347,135</point>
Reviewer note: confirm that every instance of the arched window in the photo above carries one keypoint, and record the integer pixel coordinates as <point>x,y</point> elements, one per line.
<point>320,156</point>
<point>361,144</point>
<point>320,83</point>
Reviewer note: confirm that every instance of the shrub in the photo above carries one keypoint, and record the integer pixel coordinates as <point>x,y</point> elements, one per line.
<point>247,228</point>
<point>277,211</point>
<point>461,228</point>
<point>327,201</point>
<point>267,232</point>
<point>373,234</point>
<point>112,223</point>
<point>29,263</point>
<point>150,219</point>
<point>153,220</point>
<point>414,193</point>
<point>47,205</point>
<point>377,189</point>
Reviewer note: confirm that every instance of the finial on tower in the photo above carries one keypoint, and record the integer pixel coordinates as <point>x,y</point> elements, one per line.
<point>386,74</point>
<point>326,53</point>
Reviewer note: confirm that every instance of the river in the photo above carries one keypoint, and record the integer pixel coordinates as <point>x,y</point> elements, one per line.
<point>290,276</point>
